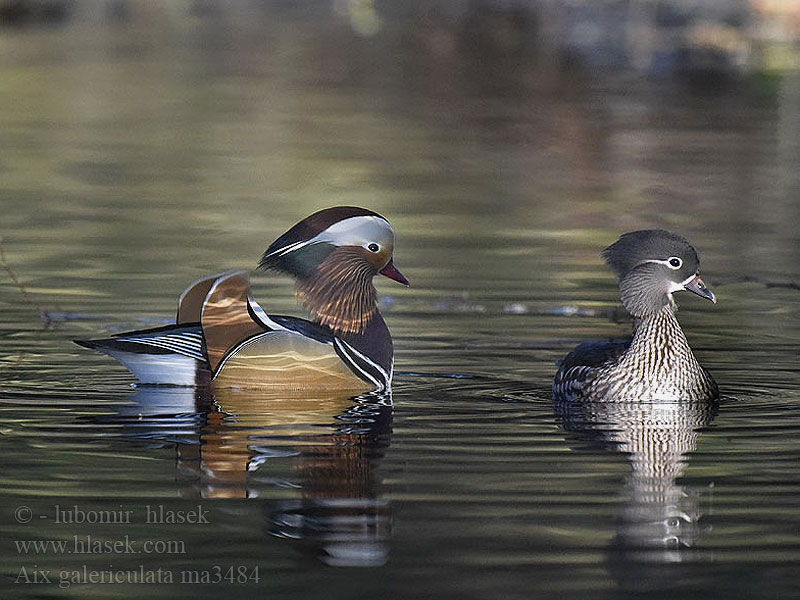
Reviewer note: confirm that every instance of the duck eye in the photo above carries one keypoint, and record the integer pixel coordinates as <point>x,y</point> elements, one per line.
<point>675,262</point>
<point>373,247</point>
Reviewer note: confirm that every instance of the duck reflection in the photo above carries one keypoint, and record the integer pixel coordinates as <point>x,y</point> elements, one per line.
<point>659,522</point>
<point>241,443</point>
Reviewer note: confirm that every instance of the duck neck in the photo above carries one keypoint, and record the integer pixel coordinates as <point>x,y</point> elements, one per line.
<point>659,337</point>
<point>374,340</point>
<point>658,330</point>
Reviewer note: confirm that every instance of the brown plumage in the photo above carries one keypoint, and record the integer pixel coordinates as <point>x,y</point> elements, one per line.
<point>225,319</point>
<point>221,332</point>
<point>339,293</point>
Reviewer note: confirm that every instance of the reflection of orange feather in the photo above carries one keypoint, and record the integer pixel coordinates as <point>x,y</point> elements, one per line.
<point>332,465</point>
<point>225,457</point>
<point>303,420</point>
<point>338,467</point>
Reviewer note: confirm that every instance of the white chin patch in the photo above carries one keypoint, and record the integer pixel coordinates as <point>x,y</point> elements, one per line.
<point>674,287</point>
<point>677,287</point>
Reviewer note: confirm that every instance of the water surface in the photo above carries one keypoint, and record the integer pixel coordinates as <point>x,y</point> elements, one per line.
<point>133,164</point>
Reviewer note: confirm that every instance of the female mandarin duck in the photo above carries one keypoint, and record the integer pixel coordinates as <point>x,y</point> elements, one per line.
<point>222,333</point>
<point>657,363</point>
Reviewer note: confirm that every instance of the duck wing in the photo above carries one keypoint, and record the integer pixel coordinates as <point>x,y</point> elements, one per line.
<point>579,366</point>
<point>190,302</point>
<point>226,316</point>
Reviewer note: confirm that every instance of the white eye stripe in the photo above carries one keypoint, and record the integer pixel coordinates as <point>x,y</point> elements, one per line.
<point>353,231</point>
<point>673,262</point>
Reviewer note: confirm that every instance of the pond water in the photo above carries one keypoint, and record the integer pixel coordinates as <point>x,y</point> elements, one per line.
<point>134,162</point>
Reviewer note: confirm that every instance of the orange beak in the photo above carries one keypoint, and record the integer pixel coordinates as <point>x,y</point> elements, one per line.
<point>391,272</point>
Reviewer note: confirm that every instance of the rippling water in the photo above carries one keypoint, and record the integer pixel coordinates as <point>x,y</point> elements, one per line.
<point>134,164</point>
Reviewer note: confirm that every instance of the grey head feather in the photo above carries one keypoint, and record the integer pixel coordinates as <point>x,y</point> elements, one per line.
<point>644,291</point>
<point>631,249</point>
<point>645,285</point>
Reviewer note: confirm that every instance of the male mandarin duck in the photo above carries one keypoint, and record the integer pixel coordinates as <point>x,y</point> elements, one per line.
<point>221,333</point>
<point>657,363</point>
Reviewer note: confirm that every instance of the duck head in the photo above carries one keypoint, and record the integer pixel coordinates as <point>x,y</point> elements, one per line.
<point>334,255</point>
<point>650,266</point>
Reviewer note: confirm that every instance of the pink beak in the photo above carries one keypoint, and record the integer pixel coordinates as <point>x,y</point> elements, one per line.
<point>391,272</point>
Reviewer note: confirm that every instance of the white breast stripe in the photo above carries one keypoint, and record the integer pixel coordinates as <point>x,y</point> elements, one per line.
<point>354,365</point>
<point>349,353</point>
<point>368,360</point>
